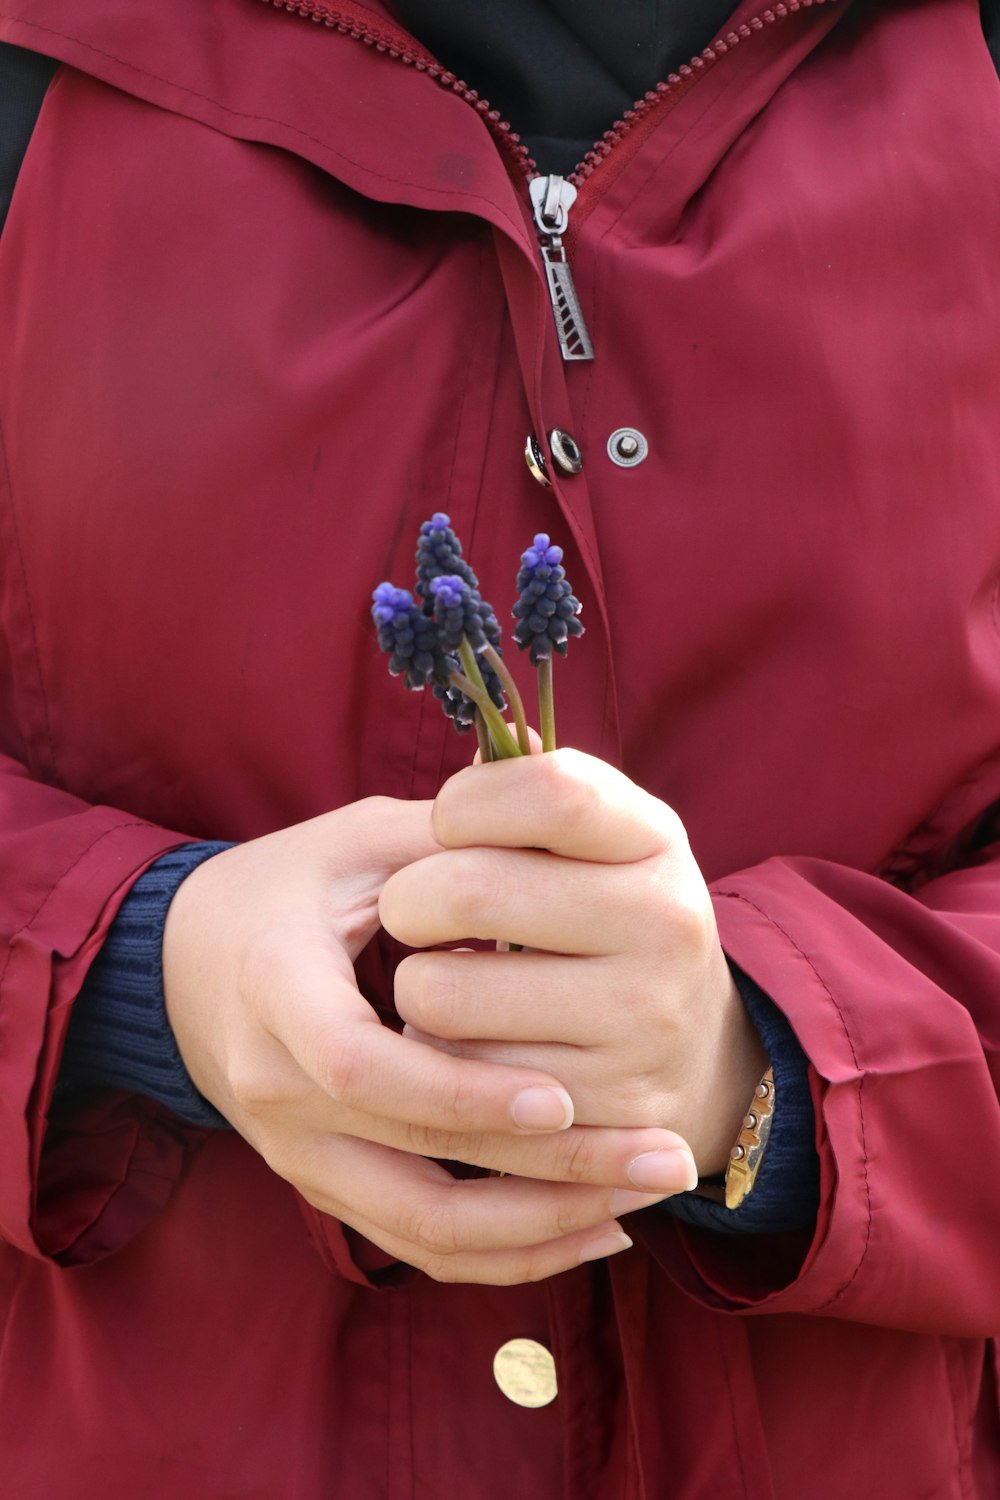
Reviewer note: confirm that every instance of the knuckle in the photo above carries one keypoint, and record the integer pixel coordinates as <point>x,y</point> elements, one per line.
<point>427,992</point>
<point>274,1157</point>
<point>284,1163</point>
<point>572,795</point>
<point>501,1276</point>
<point>476,1150</point>
<point>578,1162</point>
<point>569,1216</point>
<point>343,1067</point>
<point>532,1266</point>
<point>254,1093</point>
<point>463,1099</point>
<point>692,924</point>
<point>368,809</point>
<point>299,1162</point>
<point>317,1198</point>
<point>446,812</point>
<point>479,885</point>
<point>442,1269</point>
<point>672,830</point>
<point>431,1227</point>
<point>261,973</point>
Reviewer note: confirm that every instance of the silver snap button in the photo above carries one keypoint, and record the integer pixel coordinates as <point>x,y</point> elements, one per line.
<point>627,447</point>
<point>535,459</point>
<point>565,450</point>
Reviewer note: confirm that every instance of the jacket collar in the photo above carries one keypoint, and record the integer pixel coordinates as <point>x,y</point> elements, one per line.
<point>349,91</point>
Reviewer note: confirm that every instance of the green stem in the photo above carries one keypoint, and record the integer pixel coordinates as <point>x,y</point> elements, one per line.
<point>500,667</point>
<point>476,690</point>
<point>546,705</point>
<point>506,745</point>
<point>483,736</point>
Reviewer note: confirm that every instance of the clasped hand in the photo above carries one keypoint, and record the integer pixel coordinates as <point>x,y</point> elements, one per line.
<point>602,1068</point>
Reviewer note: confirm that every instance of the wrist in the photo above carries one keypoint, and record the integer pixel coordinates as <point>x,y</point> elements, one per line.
<point>743,1060</point>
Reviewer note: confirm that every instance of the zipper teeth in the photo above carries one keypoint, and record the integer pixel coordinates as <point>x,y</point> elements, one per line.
<point>391,44</point>
<point>671,88</point>
<point>677,83</point>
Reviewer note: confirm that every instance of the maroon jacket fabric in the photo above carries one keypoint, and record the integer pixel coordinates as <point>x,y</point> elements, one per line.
<point>269,295</point>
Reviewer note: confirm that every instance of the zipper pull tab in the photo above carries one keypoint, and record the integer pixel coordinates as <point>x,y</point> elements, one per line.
<point>551,200</point>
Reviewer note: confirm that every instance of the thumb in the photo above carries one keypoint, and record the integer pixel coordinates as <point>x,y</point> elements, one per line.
<point>364,844</point>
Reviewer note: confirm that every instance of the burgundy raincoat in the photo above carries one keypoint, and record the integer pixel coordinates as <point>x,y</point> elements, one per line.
<point>269,295</point>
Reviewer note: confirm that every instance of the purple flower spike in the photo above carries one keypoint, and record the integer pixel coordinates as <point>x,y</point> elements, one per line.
<point>409,637</point>
<point>457,707</point>
<point>439,553</point>
<point>547,609</point>
<point>458,612</point>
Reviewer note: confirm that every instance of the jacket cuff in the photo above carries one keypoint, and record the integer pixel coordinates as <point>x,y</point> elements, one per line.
<point>119,1036</point>
<point>786,1193</point>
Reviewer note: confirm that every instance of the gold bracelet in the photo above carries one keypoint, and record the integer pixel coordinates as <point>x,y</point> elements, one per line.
<point>748,1152</point>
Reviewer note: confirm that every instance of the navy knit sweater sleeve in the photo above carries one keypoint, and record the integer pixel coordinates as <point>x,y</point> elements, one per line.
<point>786,1193</point>
<point>119,1036</point>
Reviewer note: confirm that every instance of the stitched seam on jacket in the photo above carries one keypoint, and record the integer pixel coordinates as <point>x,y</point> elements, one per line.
<point>114,1189</point>
<point>733,1412</point>
<point>840,1292</point>
<point>17,1266</point>
<point>238,114</point>
<point>961,1410</point>
<point>26,926</point>
<point>12,509</point>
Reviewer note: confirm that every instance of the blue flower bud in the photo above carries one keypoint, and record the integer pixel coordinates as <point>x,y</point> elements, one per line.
<point>458,611</point>
<point>439,553</point>
<point>456,706</point>
<point>546,611</point>
<point>408,636</point>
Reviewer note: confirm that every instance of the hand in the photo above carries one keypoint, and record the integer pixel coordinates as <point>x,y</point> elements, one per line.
<point>625,996</point>
<point>258,972</point>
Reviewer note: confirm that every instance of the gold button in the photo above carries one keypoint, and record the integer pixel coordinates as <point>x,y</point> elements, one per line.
<point>526,1372</point>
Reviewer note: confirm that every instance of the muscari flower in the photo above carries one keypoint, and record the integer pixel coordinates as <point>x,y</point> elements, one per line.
<point>449,636</point>
<point>409,637</point>
<point>547,609</point>
<point>417,651</point>
<point>439,554</point>
<point>459,612</point>
<point>457,707</point>
<point>462,616</point>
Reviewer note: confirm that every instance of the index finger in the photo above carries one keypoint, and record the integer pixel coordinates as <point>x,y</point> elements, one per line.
<point>569,803</point>
<point>334,1036</point>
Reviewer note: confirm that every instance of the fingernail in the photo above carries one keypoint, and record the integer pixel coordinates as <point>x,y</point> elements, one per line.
<point>623,1201</point>
<point>542,1108</point>
<point>664,1171</point>
<point>605,1244</point>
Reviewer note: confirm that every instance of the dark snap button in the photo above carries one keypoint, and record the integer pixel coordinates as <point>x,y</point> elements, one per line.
<point>565,450</point>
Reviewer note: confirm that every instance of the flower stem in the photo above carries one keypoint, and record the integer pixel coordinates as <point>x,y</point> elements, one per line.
<point>546,704</point>
<point>499,666</point>
<point>471,684</point>
<point>483,736</point>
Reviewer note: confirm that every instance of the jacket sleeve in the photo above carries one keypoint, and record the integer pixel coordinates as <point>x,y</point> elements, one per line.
<point>895,999</point>
<point>70,1187</point>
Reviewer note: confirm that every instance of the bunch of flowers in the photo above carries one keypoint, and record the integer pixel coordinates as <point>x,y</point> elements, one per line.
<point>446,636</point>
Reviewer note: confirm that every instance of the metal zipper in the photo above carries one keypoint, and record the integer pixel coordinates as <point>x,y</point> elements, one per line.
<point>551,200</point>
<point>552,197</point>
